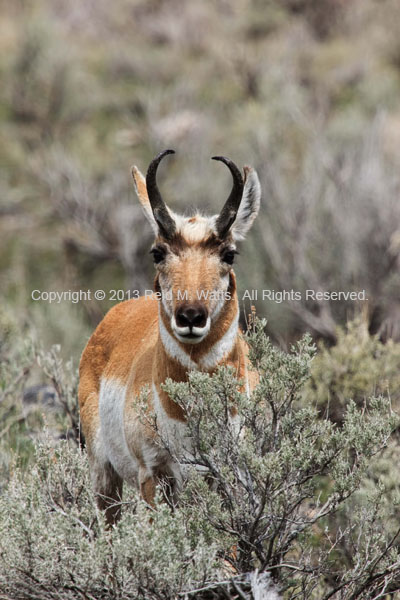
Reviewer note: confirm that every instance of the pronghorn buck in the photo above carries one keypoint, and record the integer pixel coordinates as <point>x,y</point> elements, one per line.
<point>190,323</point>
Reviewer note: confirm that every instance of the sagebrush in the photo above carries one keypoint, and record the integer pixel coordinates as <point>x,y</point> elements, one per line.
<point>287,497</point>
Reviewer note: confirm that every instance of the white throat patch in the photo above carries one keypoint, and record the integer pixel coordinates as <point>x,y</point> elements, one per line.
<point>215,355</point>
<point>173,349</point>
<point>221,348</point>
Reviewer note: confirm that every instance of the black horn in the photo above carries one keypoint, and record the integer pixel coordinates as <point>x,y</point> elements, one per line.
<point>164,220</point>
<point>228,214</point>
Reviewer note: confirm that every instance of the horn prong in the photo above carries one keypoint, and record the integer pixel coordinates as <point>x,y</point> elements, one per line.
<point>165,222</point>
<point>228,213</point>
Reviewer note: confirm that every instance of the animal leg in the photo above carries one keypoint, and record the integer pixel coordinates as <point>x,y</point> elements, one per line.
<point>108,489</point>
<point>147,486</point>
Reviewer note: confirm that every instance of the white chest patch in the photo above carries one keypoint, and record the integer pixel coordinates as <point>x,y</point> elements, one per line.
<point>112,435</point>
<point>173,433</point>
<point>175,436</point>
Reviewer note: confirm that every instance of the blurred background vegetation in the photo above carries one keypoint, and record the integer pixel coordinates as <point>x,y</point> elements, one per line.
<point>305,91</point>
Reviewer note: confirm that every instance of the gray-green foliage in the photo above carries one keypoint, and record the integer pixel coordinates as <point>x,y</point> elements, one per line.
<point>278,493</point>
<point>357,367</point>
<point>53,541</point>
<point>64,378</point>
<point>36,386</point>
<point>16,363</point>
<point>280,476</point>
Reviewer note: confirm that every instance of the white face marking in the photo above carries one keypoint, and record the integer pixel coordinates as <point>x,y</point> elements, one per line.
<point>111,433</point>
<point>182,332</point>
<point>195,230</point>
<point>215,355</point>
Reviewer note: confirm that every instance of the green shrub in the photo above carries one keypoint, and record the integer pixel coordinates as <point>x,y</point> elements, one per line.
<point>280,495</point>
<point>54,543</point>
<point>36,387</point>
<point>357,367</point>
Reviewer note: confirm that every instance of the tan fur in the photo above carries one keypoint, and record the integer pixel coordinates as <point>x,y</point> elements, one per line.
<point>126,352</point>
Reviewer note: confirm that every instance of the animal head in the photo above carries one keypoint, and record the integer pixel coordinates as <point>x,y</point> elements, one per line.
<point>194,255</point>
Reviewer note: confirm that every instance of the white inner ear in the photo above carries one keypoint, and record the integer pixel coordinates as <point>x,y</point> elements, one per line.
<point>141,191</point>
<point>249,206</point>
<point>149,216</point>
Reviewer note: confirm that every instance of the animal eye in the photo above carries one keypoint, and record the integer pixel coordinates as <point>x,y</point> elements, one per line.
<point>158,254</point>
<point>229,256</point>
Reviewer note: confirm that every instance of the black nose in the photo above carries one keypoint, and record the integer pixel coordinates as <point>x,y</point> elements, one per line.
<point>191,315</point>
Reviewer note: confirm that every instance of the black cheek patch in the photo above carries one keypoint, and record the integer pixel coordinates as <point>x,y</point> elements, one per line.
<point>157,287</point>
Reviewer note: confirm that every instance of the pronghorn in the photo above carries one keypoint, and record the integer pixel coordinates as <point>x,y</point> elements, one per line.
<point>190,323</point>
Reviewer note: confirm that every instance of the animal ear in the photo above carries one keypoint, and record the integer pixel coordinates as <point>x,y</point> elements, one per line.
<point>249,205</point>
<point>141,191</point>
